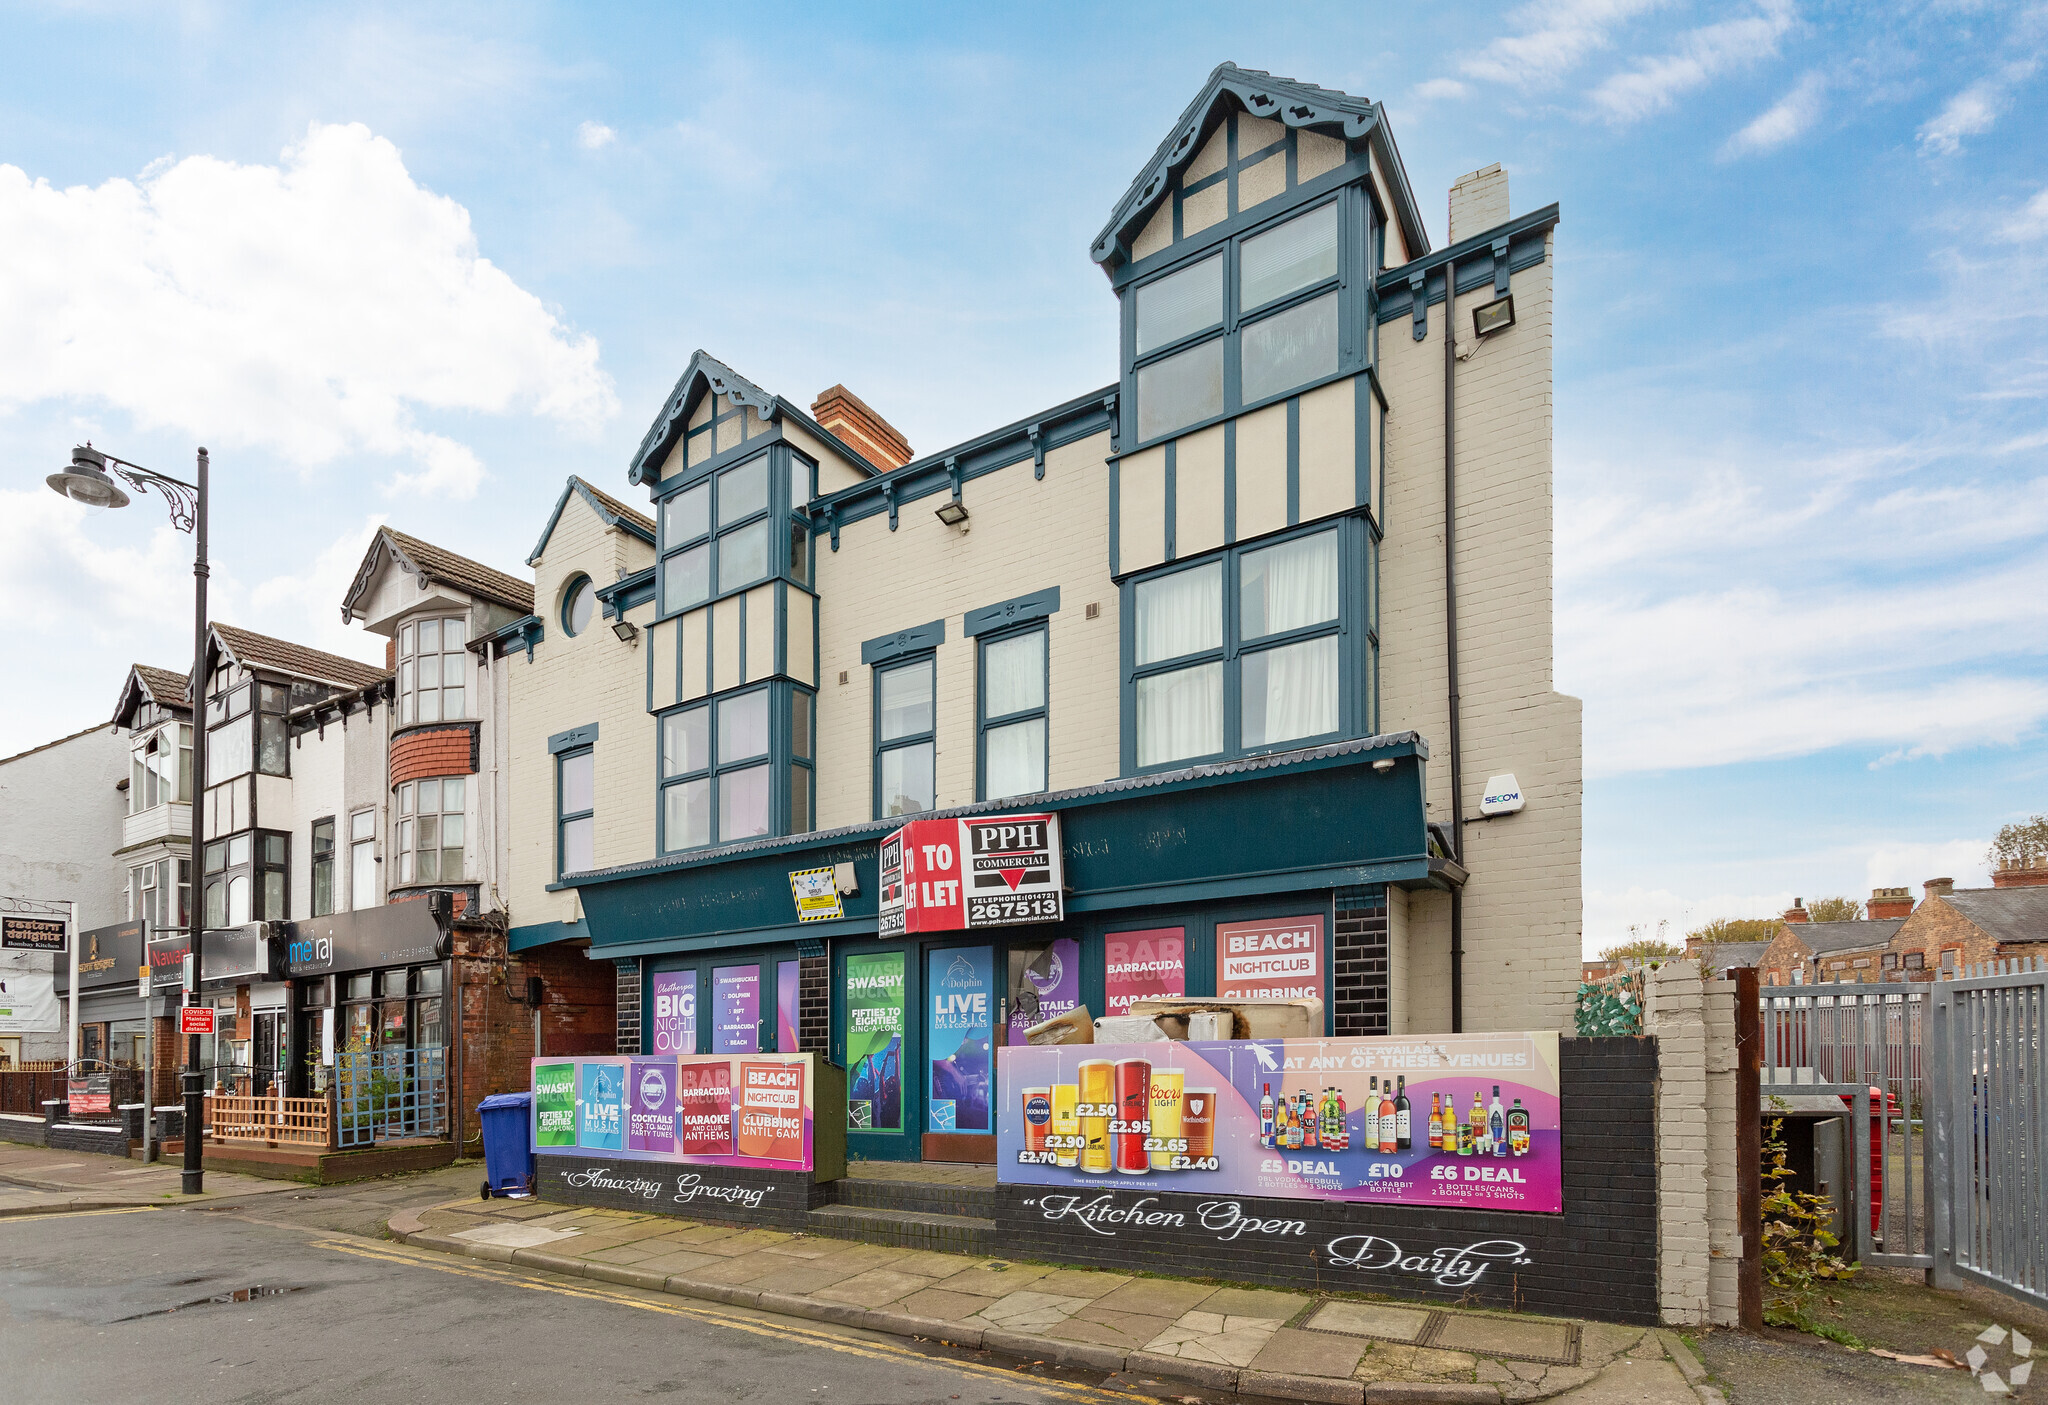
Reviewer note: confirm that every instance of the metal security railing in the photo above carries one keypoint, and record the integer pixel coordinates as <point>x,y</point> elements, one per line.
<point>388,1094</point>
<point>1990,1152</point>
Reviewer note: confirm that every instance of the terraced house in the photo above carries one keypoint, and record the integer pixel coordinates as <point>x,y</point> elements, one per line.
<point>1262,624</point>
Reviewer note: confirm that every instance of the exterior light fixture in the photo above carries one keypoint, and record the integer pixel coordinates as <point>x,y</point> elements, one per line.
<point>86,480</point>
<point>626,630</point>
<point>1496,316</point>
<point>953,514</point>
<point>1383,765</point>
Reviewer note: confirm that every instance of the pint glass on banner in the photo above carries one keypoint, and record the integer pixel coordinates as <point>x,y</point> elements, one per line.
<point>1198,1121</point>
<point>1097,1082</point>
<point>1065,1125</point>
<point>1037,1118</point>
<point>1166,1122</point>
<point>1134,1108</point>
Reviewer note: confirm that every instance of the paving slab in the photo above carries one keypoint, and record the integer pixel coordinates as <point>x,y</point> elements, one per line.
<point>1486,1336</point>
<point>932,1264</point>
<point>1080,1283</point>
<point>994,1280</point>
<point>1029,1311</point>
<point>1394,1324</point>
<point>513,1235</point>
<point>1255,1302</point>
<point>1155,1297</point>
<point>733,1271</point>
<point>944,1305</point>
<point>1389,1361</point>
<point>875,1287</point>
<point>680,1261</point>
<point>1094,1323</point>
<point>806,1276</point>
<point>1634,1380</point>
<point>1294,1352</point>
<point>1213,1337</point>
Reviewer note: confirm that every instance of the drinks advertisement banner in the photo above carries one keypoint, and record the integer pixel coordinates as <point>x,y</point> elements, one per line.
<point>1270,960</point>
<point>1139,964</point>
<point>554,1104</point>
<point>736,1006</point>
<point>1044,984</point>
<point>1466,1120</point>
<point>788,994</point>
<point>698,1109</point>
<point>874,1042</point>
<point>959,1024</point>
<point>675,1012</point>
<point>601,1108</point>
<point>651,1107</point>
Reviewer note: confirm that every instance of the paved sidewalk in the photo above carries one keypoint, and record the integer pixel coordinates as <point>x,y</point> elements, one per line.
<point>1260,1342</point>
<point>37,1181</point>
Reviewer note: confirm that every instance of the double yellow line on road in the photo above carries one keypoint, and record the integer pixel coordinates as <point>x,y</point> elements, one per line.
<point>871,1351</point>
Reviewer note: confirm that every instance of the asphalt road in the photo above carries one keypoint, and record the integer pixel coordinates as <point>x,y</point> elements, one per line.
<point>116,1307</point>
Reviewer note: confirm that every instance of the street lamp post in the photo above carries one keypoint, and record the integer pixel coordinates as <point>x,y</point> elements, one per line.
<point>87,480</point>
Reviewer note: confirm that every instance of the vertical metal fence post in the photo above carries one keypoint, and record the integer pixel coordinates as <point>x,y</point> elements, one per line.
<point>1749,1150</point>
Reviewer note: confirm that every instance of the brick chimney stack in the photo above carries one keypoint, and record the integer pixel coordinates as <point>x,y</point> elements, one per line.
<point>1937,888</point>
<point>2027,873</point>
<point>1479,202</point>
<point>845,414</point>
<point>1797,912</point>
<point>1889,902</point>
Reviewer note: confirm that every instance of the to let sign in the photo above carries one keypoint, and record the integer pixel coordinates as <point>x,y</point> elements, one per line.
<point>195,1019</point>
<point>963,875</point>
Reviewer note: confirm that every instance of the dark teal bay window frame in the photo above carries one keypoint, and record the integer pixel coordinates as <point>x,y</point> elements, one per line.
<point>1356,629</point>
<point>790,759</point>
<point>790,475</point>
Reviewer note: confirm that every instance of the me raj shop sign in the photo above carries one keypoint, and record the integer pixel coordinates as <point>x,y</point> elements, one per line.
<point>955,875</point>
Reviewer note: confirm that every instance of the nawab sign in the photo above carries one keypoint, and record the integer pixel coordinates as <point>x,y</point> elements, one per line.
<point>970,874</point>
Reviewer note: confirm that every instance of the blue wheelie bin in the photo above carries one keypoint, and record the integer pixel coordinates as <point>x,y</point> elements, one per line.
<point>508,1145</point>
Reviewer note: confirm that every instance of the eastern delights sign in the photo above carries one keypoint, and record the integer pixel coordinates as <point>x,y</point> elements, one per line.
<point>966,874</point>
<point>32,933</point>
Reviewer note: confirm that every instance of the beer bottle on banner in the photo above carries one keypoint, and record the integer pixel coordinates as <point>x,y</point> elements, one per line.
<point>1343,1123</point>
<point>1266,1115</point>
<point>1463,1128</point>
<point>1387,1125</point>
<point>1518,1129</point>
<point>1311,1121</point>
<point>1372,1113</point>
<point>1402,1140</point>
<point>1476,1125</point>
<point>1497,1125</point>
<point>1436,1122</point>
<point>1294,1137</point>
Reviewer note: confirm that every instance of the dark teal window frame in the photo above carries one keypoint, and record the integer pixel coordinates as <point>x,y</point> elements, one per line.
<point>783,761</point>
<point>1356,628</point>
<point>576,583</point>
<point>985,723</point>
<point>913,659</point>
<point>564,818</point>
<point>781,464</point>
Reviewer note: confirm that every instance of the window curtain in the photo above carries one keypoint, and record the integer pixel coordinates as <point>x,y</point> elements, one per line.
<point>1180,614</point>
<point>1180,714</point>
<point>1291,692</point>
<point>1013,675</point>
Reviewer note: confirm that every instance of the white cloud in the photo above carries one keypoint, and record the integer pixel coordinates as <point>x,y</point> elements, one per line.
<point>2031,222</point>
<point>1437,88</point>
<point>1609,914</point>
<point>311,308</point>
<point>1551,39</point>
<point>1701,55</point>
<point>1910,865</point>
<point>306,607</point>
<point>1790,118</point>
<point>595,136</point>
<point>1976,109</point>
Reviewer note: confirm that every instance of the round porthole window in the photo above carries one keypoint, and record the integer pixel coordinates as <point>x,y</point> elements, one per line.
<point>578,603</point>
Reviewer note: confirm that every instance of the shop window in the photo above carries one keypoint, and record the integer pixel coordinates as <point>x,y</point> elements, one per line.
<point>1252,649</point>
<point>430,831</point>
<point>718,535</point>
<point>905,736</point>
<point>1238,327</point>
<point>323,867</point>
<point>362,860</point>
<point>433,671</point>
<point>1013,713</point>
<point>161,770</point>
<point>575,811</point>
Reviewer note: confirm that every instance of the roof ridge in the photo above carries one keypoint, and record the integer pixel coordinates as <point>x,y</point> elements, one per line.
<point>348,665</point>
<point>623,508</point>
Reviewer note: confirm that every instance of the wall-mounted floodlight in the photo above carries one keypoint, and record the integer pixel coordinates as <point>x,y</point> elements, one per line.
<point>1496,316</point>
<point>627,631</point>
<point>953,514</point>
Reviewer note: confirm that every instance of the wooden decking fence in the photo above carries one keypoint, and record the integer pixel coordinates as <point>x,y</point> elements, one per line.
<point>271,1120</point>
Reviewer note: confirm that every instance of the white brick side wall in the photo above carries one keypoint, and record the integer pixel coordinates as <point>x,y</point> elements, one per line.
<point>1699,1241</point>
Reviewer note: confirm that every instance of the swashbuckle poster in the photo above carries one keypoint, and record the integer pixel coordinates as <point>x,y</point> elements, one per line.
<point>696,1109</point>
<point>1465,1120</point>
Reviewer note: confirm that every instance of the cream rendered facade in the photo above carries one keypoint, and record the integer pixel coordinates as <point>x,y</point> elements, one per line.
<point>1076,502</point>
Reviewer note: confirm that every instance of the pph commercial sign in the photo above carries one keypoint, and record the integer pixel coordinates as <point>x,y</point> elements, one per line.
<point>966,874</point>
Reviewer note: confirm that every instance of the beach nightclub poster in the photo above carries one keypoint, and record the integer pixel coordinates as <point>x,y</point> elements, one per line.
<point>1191,1117</point>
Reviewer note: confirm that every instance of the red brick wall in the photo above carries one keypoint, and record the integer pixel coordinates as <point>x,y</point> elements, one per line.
<point>576,1013</point>
<point>433,751</point>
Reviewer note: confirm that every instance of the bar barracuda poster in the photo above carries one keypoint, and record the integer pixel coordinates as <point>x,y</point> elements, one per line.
<point>699,1109</point>
<point>1298,1118</point>
<point>874,1042</point>
<point>959,1028</point>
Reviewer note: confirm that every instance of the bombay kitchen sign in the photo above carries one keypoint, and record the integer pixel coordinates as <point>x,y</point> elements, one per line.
<point>32,934</point>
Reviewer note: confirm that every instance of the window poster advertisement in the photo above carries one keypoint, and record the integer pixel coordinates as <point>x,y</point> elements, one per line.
<point>1270,960</point>
<point>704,1104</point>
<point>1467,1120</point>
<point>675,1012</point>
<point>736,1007</point>
<point>554,1104</point>
<point>1045,983</point>
<point>960,990</point>
<point>601,1110</point>
<point>1140,964</point>
<point>651,1105</point>
<point>874,1042</point>
<point>788,991</point>
<point>772,1110</point>
<point>699,1109</point>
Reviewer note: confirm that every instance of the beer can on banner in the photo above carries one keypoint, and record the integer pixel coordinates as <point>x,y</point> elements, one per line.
<point>1134,1107</point>
<point>1166,1086</point>
<point>1097,1083</point>
<point>1065,1125</point>
<point>1037,1118</point>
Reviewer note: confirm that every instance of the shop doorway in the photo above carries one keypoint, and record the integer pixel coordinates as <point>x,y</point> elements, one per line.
<point>722,1004</point>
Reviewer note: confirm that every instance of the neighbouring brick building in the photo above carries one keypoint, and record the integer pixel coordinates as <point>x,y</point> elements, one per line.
<point>1954,928</point>
<point>1200,616</point>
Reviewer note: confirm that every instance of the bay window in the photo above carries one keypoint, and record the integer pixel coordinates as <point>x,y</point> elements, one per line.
<point>1252,649</point>
<point>719,763</point>
<point>719,535</point>
<point>161,770</point>
<point>429,836</point>
<point>246,878</point>
<point>433,671</point>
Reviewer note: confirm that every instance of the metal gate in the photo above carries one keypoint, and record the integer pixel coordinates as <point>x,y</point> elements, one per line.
<point>1987,1158</point>
<point>389,1094</point>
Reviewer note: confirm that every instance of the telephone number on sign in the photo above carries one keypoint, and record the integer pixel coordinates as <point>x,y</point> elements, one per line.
<point>1012,909</point>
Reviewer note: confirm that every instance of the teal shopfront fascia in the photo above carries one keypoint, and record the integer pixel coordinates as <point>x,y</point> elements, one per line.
<point>1166,876</point>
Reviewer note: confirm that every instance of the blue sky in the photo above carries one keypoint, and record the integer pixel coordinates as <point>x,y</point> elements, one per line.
<point>393,265</point>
